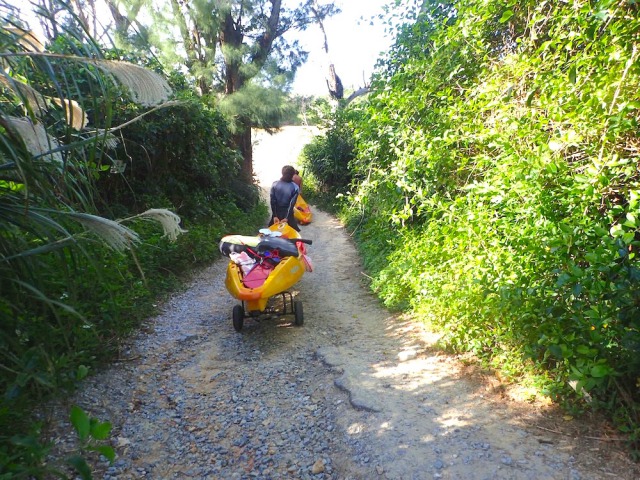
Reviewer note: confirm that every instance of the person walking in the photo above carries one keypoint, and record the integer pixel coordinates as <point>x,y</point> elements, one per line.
<point>283,196</point>
<point>297,179</point>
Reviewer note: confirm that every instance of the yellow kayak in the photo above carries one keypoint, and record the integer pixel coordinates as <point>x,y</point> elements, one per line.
<point>302,212</point>
<point>264,266</point>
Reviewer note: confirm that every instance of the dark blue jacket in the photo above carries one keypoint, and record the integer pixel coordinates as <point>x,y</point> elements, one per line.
<point>283,198</point>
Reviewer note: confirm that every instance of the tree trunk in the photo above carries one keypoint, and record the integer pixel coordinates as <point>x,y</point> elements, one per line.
<point>122,22</point>
<point>232,37</point>
<point>242,139</point>
<point>83,17</point>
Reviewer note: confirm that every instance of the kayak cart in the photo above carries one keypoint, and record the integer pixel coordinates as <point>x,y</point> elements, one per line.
<point>262,269</point>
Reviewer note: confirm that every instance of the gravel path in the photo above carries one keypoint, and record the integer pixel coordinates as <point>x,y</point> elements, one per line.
<point>355,393</point>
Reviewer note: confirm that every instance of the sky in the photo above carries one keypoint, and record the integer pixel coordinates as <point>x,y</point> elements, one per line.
<point>355,42</point>
<point>354,47</point>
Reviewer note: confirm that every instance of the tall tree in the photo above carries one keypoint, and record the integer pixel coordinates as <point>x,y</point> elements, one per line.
<point>125,18</point>
<point>334,84</point>
<point>238,51</point>
<point>79,17</point>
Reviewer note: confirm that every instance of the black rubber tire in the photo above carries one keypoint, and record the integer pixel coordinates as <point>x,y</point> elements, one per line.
<point>298,313</point>
<point>238,317</point>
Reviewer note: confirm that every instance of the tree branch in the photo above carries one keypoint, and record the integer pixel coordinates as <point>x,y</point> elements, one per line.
<point>265,42</point>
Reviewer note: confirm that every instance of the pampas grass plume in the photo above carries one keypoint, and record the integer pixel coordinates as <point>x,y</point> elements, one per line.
<point>170,221</point>
<point>35,137</point>
<point>114,234</point>
<point>146,87</point>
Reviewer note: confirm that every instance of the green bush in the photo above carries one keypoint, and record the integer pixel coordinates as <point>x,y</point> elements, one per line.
<point>45,350</point>
<point>180,158</point>
<point>495,191</point>
<point>67,299</point>
<point>325,160</point>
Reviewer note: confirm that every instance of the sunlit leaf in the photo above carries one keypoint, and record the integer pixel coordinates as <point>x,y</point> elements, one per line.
<point>506,16</point>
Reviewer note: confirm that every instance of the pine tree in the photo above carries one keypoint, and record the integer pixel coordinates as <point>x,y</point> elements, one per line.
<point>235,51</point>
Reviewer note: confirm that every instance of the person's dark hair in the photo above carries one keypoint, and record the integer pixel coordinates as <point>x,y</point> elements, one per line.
<point>287,173</point>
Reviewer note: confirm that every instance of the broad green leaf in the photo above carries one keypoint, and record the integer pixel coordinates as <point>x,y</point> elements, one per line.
<point>584,350</point>
<point>506,16</point>
<point>81,466</point>
<point>43,378</point>
<point>592,257</point>
<point>616,231</point>
<point>101,430</point>
<point>28,441</point>
<point>81,422</point>
<point>600,231</point>
<point>108,452</point>
<point>592,313</point>
<point>631,220</point>
<point>555,350</point>
<point>82,372</point>
<point>599,371</point>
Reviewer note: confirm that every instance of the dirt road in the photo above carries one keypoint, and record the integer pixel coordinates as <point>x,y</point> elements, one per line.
<point>355,393</point>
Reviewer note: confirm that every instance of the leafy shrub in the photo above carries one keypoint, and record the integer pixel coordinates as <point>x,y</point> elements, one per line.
<point>67,300</point>
<point>495,190</point>
<point>179,156</point>
<point>326,158</point>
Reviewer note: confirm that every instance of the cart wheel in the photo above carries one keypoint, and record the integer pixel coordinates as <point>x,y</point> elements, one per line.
<point>297,310</point>
<point>238,317</point>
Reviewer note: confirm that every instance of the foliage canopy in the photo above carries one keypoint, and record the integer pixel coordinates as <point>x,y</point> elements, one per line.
<point>79,146</point>
<point>496,191</point>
